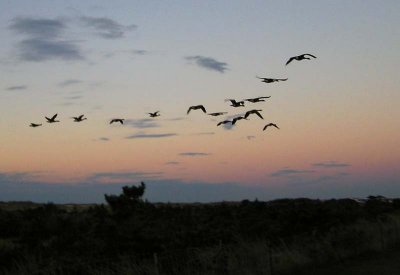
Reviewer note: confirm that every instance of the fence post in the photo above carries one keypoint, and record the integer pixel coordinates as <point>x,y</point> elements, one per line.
<point>156,271</point>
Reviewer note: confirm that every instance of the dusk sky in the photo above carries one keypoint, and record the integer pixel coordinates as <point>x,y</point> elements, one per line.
<point>338,114</point>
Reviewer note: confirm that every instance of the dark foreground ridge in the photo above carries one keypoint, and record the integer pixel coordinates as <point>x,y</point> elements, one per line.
<point>132,236</point>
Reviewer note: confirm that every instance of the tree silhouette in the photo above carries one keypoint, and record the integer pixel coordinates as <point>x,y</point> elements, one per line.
<point>130,197</point>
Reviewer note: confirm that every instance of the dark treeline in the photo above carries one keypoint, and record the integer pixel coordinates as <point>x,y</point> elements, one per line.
<point>73,241</point>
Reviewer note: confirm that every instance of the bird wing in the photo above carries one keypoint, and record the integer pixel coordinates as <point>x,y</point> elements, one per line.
<point>190,108</point>
<point>263,97</point>
<point>257,113</point>
<point>247,114</point>
<point>290,60</point>
<point>202,108</point>
<point>112,121</point>
<point>283,79</point>
<point>48,119</point>
<point>80,117</point>
<point>261,77</point>
<point>310,55</point>
<point>276,126</point>
<point>54,117</point>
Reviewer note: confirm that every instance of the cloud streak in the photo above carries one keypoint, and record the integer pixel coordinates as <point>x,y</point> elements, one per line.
<point>106,27</point>
<point>290,172</point>
<point>43,28</point>
<point>141,135</point>
<point>208,63</point>
<point>193,154</point>
<point>172,163</point>
<point>331,164</point>
<point>121,176</point>
<point>143,123</point>
<point>69,82</point>
<point>16,88</point>
<point>37,50</point>
<point>43,40</point>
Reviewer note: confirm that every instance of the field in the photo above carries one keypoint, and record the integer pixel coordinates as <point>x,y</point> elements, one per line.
<point>130,236</point>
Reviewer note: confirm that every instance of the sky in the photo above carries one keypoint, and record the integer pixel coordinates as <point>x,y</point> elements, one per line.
<point>338,115</point>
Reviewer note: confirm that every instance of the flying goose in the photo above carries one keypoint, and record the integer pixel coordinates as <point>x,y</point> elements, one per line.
<point>35,125</point>
<point>300,57</point>
<point>253,112</point>
<point>270,124</point>
<point>120,120</point>
<point>237,118</point>
<point>224,122</point>
<point>257,99</point>
<point>270,80</point>
<point>79,118</point>
<point>217,114</point>
<point>235,103</point>
<point>52,119</point>
<point>155,114</point>
<point>196,108</point>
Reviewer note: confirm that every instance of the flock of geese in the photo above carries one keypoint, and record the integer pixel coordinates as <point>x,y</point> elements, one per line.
<point>233,102</point>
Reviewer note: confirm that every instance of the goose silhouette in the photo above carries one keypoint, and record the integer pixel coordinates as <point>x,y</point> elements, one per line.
<point>155,114</point>
<point>235,103</point>
<point>237,118</point>
<point>270,80</point>
<point>253,112</point>
<point>257,99</point>
<point>34,125</point>
<point>52,119</point>
<point>270,124</point>
<point>197,107</point>
<point>224,122</point>
<point>300,57</point>
<point>120,120</point>
<point>79,118</point>
<point>217,114</point>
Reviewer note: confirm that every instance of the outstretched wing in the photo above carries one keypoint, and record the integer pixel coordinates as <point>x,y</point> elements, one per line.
<point>309,55</point>
<point>290,60</point>
<point>80,117</point>
<point>54,117</point>
<point>283,79</point>
<point>202,108</point>
<point>257,113</point>
<point>263,78</point>
<point>190,108</point>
